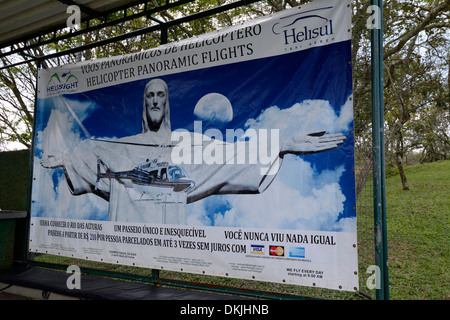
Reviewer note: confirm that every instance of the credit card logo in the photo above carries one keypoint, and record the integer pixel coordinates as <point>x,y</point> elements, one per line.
<point>276,251</point>
<point>256,249</point>
<point>297,252</point>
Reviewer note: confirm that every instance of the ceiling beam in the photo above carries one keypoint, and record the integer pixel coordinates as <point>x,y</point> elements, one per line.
<point>85,9</point>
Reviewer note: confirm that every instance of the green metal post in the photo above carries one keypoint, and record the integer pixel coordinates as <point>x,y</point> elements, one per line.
<point>382,290</point>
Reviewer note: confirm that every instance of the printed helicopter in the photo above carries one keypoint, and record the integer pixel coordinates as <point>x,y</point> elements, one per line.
<point>150,173</point>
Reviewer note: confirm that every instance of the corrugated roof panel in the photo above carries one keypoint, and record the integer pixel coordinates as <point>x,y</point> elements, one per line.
<point>20,19</point>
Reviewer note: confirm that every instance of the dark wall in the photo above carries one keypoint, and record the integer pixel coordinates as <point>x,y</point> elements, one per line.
<point>14,171</point>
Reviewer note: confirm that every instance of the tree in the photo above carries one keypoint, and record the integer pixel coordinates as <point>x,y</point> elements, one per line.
<point>414,63</point>
<point>17,87</point>
<point>416,42</point>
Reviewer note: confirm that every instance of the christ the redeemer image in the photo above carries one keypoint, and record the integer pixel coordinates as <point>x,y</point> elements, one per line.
<point>136,174</point>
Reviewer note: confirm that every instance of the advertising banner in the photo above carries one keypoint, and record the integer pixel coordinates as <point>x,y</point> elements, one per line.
<point>228,154</point>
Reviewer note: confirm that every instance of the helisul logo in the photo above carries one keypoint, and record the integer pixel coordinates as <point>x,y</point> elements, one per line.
<point>62,83</point>
<point>306,27</point>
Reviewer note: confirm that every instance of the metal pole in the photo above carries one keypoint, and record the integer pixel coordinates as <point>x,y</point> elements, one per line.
<point>382,291</point>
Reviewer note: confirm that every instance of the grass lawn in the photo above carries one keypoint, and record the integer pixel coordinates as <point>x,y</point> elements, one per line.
<point>418,233</point>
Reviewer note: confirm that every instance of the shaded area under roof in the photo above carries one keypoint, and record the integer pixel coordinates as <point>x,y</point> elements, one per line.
<point>21,20</point>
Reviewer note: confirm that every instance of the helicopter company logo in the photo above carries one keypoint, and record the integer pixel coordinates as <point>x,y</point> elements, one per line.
<point>306,27</point>
<point>62,83</point>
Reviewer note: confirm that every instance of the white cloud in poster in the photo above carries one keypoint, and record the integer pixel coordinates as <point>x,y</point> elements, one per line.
<point>306,117</point>
<point>56,201</point>
<point>300,197</point>
<point>52,195</point>
<point>64,125</point>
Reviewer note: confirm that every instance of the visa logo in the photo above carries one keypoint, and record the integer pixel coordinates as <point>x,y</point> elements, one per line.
<point>257,249</point>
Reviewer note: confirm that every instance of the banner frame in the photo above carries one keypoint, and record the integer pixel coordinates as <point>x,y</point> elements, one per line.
<point>381,254</point>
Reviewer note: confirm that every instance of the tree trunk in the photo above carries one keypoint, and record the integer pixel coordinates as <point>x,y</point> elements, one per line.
<point>402,172</point>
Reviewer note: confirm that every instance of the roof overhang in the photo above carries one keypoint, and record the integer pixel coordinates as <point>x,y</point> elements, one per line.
<point>28,24</point>
<point>21,20</point>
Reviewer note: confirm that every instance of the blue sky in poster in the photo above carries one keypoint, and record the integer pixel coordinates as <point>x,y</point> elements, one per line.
<point>263,90</point>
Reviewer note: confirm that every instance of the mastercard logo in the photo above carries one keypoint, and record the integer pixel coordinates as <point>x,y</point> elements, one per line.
<point>276,251</point>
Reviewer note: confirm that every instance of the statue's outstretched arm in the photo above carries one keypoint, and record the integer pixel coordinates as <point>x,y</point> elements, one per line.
<point>302,144</point>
